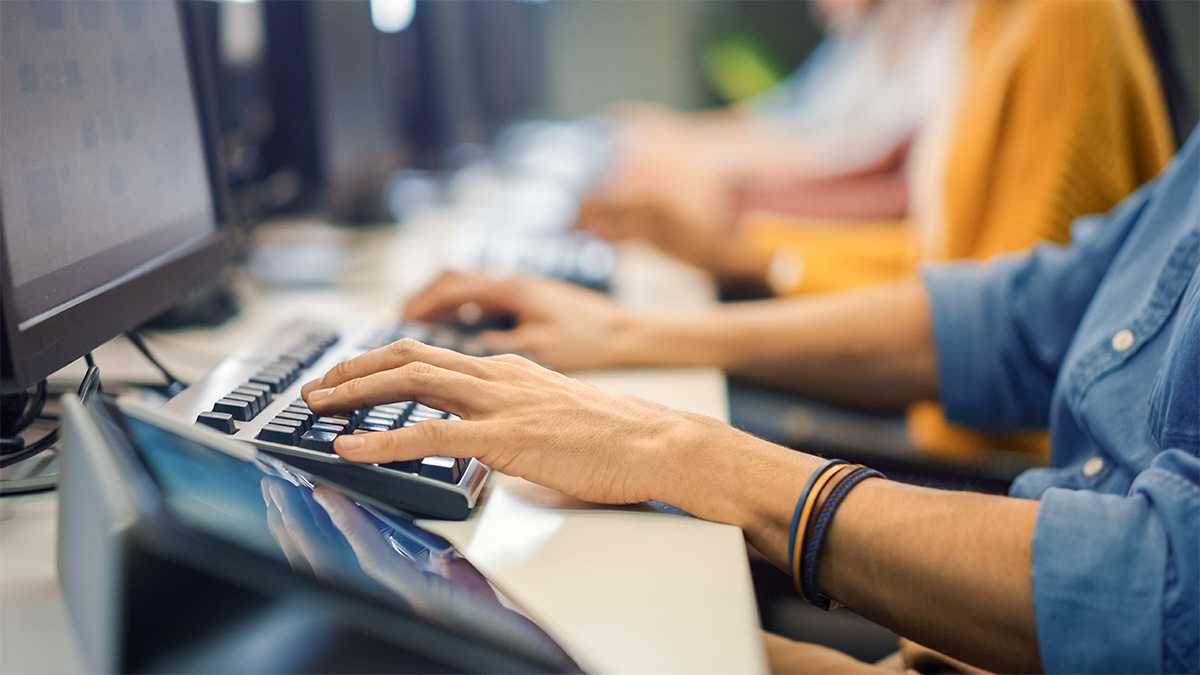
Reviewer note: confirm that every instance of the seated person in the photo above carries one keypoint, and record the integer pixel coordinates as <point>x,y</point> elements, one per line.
<point>1092,564</point>
<point>1058,112</point>
<point>842,121</point>
<point>1055,111</point>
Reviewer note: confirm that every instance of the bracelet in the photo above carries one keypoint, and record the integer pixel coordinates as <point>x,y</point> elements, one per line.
<point>803,509</point>
<point>813,538</point>
<point>815,499</point>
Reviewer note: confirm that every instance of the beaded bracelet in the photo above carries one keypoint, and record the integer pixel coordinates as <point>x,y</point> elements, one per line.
<point>800,516</point>
<point>814,536</point>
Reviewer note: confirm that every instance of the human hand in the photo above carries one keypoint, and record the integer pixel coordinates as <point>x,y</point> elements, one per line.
<point>327,534</point>
<point>676,205</point>
<point>557,324</point>
<point>517,417</point>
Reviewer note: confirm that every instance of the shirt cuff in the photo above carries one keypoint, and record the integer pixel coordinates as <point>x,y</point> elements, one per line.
<point>963,339</point>
<point>1098,572</point>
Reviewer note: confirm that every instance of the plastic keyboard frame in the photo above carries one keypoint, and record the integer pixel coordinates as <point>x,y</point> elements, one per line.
<point>411,493</point>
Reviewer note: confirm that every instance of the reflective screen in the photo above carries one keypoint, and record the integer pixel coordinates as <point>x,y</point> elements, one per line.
<point>267,507</point>
<point>102,170</point>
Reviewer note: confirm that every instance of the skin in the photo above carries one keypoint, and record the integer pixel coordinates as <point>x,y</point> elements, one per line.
<point>674,187</point>
<point>948,570</point>
<point>869,348</point>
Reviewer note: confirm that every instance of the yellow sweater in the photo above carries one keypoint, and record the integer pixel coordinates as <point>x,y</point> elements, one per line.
<point>1058,113</point>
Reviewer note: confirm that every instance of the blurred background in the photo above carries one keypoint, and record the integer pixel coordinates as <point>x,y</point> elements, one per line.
<point>338,94</point>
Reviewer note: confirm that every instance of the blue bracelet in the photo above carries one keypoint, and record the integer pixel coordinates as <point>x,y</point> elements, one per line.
<point>800,507</point>
<point>811,548</point>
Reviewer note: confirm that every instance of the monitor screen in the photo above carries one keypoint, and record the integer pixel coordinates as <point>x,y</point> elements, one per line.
<point>104,179</point>
<point>258,504</point>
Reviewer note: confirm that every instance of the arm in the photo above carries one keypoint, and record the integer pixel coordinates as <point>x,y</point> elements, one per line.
<point>868,347</point>
<point>949,570</point>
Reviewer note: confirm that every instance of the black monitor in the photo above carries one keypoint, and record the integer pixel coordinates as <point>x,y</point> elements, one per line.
<point>309,113</point>
<point>109,207</point>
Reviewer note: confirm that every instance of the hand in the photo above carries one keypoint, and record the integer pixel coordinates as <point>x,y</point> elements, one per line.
<point>329,535</point>
<point>557,324</point>
<point>517,418</point>
<point>661,197</point>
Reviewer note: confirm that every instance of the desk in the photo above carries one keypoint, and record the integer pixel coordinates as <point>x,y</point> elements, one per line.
<point>627,590</point>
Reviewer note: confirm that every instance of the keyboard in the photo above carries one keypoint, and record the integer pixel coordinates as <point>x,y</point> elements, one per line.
<point>254,395</point>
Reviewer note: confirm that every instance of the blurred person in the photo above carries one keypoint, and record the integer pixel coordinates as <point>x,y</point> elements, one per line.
<point>1090,565</point>
<point>1041,97</point>
<point>1057,112</point>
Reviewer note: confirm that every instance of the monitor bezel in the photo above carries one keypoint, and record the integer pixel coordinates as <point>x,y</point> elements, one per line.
<point>30,355</point>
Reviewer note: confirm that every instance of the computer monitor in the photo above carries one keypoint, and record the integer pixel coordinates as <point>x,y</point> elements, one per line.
<point>108,207</point>
<point>309,112</point>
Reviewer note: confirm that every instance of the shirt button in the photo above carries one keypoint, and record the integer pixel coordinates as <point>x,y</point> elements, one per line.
<point>1093,466</point>
<point>1122,340</point>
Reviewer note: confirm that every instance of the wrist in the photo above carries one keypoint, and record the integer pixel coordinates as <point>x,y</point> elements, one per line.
<point>727,476</point>
<point>645,340</point>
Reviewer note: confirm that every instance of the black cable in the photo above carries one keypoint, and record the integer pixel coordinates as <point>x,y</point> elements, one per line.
<point>174,385</point>
<point>89,385</point>
<point>31,413</point>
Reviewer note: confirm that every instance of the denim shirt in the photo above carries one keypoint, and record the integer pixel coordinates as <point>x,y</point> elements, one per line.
<point>1100,342</point>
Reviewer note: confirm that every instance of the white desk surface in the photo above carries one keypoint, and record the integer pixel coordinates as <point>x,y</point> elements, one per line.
<point>625,590</point>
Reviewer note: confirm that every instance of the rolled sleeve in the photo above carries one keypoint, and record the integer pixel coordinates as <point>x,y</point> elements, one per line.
<point>1001,330</point>
<point>1115,577</point>
<point>964,339</point>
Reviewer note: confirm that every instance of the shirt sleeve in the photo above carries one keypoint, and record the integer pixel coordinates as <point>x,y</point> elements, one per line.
<point>1001,330</point>
<point>1115,577</point>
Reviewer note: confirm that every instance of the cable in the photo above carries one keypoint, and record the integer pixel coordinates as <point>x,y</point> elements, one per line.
<point>174,385</point>
<point>89,385</point>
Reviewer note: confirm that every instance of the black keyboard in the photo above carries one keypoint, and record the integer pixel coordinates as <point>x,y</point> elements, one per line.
<point>254,395</point>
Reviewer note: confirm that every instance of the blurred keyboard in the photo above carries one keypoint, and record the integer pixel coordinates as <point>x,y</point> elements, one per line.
<point>254,395</point>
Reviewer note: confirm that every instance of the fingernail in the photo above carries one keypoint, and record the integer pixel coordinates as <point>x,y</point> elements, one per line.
<point>349,444</point>
<point>309,385</point>
<point>319,394</point>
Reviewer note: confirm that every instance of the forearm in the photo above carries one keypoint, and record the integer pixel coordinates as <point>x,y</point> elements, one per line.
<point>869,347</point>
<point>948,570</point>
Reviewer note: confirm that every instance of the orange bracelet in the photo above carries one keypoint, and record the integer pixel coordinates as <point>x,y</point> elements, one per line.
<point>802,524</point>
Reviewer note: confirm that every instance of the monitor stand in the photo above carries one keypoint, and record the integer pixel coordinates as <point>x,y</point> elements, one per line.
<point>39,471</point>
<point>35,474</point>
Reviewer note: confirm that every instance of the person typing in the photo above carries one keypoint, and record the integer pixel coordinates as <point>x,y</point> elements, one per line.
<point>1091,564</point>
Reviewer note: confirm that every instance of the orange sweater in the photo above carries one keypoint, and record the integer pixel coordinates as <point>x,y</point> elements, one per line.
<point>1058,113</point>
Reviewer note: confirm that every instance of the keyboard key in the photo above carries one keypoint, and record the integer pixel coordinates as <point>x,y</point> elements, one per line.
<point>345,425</point>
<point>302,412</point>
<point>299,425</point>
<point>407,466</point>
<point>279,434</point>
<point>261,395</point>
<point>220,421</point>
<point>252,400</point>
<point>275,382</point>
<point>445,469</point>
<point>386,421</point>
<point>304,421</point>
<point>335,429</point>
<point>319,440</point>
<point>425,411</point>
<point>239,409</point>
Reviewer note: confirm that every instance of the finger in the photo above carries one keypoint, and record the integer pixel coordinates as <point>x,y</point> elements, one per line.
<point>279,532</point>
<point>515,341</point>
<point>441,388</point>
<point>451,290</point>
<point>515,359</point>
<point>364,538</point>
<point>297,529</point>
<point>431,438</point>
<point>391,356</point>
